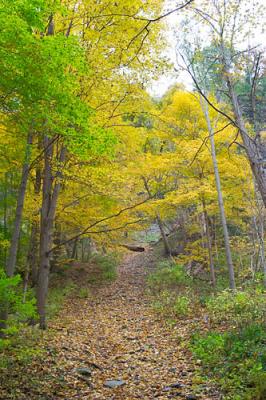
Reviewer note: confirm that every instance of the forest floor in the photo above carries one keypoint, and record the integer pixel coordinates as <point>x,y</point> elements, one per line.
<point>114,334</point>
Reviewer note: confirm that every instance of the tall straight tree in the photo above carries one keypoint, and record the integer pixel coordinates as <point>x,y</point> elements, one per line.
<point>198,68</point>
<point>205,109</point>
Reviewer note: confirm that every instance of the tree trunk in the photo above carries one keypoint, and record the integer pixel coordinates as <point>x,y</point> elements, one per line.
<point>57,253</point>
<point>33,252</point>
<point>262,252</point>
<point>220,196</point>
<point>13,250</point>
<point>5,216</point>
<point>74,249</point>
<point>209,242</point>
<point>49,202</point>
<point>12,258</point>
<point>167,248</point>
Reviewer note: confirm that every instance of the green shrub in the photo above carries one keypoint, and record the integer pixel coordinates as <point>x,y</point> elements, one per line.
<point>171,305</point>
<point>166,284</point>
<point>83,293</point>
<point>108,265</point>
<point>236,360</point>
<point>237,308</point>
<point>57,296</point>
<point>168,274</point>
<point>12,304</point>
<point>181,306</point>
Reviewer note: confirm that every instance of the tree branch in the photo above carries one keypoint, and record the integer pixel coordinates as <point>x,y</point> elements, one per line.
<point>87,229</point>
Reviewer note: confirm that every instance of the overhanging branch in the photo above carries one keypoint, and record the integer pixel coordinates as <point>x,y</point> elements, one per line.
<point>87,229</point>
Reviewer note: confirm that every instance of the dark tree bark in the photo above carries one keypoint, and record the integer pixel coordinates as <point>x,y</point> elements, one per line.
<point>74,249</point>
<point>33,253</point>
<point>50,192</point>
<point>138,249</point>
<point>13,250</point>
<point>12,258</point>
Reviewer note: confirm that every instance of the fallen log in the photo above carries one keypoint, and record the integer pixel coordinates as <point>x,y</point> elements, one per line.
<point>133,248</point>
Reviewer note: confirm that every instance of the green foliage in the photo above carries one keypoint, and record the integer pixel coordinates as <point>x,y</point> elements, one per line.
<point>171,305</point>
<point>253,111</point>
<point>57,296</point>
<point>237,309</point>
<point>83,293</point>
<point>168,274</point>
<point>166,284</point>
<point>182,306</point>
<point>235,360</point>
<point>108,265</point>
<point>40,78</point>
<point>21,348</point>
<point>17,309</point>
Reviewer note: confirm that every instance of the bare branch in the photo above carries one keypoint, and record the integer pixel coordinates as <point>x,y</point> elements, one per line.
<point>87,229</point>
<point>206,139</point>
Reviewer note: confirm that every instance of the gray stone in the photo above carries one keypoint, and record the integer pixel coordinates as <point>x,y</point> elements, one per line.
<point>114,383</point>
<point>84,371</point>
<point>175,385</point>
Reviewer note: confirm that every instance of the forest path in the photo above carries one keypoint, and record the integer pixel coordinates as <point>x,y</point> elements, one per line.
<point>113,334</point>
<point>116,335</point>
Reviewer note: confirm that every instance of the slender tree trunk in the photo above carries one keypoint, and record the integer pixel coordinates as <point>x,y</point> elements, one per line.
<point>82,250</point>
<point>74,249</point>
<point>49,203</point>
<point>262,251</point>
<point>13,250</point>
<point>5,215</point>
<point>47,218</point>
<point>259,229</point>
<point>12,258</point>
<point>57,253</point>
<point>33,252</point>
<point>33,256</point>
<point>220,196</point>
<point>159,221</point>
<point>209,242</point>
<point>167,248</point>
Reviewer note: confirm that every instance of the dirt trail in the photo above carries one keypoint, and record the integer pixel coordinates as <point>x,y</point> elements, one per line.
<point>119,333</point>
<point>116,335</point>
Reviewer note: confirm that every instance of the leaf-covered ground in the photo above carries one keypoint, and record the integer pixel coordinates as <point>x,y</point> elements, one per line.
<point>113,334</point>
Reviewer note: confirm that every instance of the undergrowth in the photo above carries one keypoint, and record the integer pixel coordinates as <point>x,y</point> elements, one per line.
<point>57,296</point>
<point>107,268</point>
<point>169,285</point>
<point>21,309</point>
<point>231,346</point>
